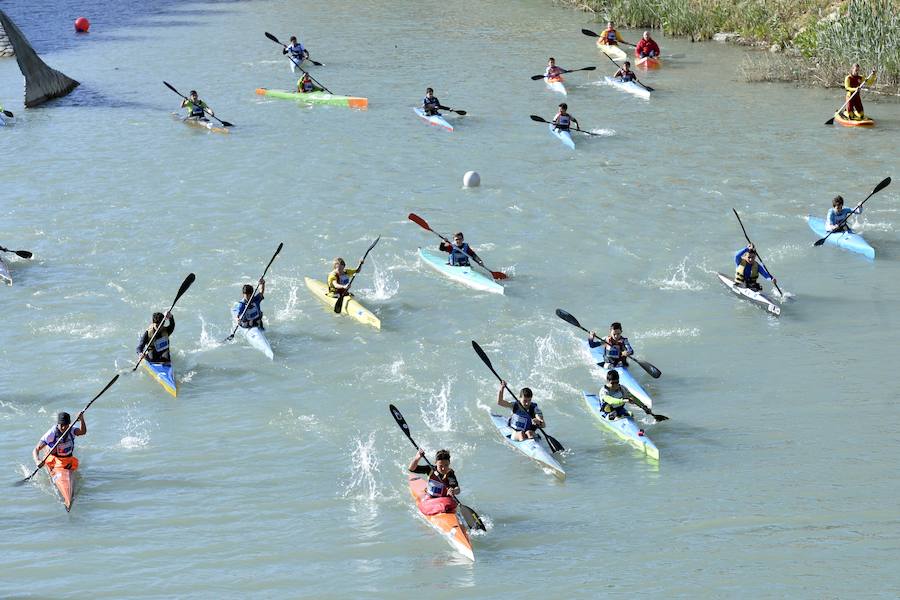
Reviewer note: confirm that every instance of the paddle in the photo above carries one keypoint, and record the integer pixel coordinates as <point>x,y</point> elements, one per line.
<point>844,105</point>
<point>540,119</point>
<point>571,320</point>
<point>231,337</point>
<point>424,225</point>
<point>774,282</point>
<point>461,113</point>
<point>275,39</point>
<point>184,287</point>
<point>636,80</point>
<point>554,444</point>
<point>205,110</point>
<point>63,436</point>
<point>6,113</point>
<point>884,183</point>
<point>471,517</point>
<point>19,253</point>
<point>590,33</point>
<point>339,305</point>
<point>305,72</point>
<point>537,77</point>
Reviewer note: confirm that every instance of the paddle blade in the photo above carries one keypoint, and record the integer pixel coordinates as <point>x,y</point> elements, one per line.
<point>650,369</point>
<point>226,124</point>
<point>419,221</point>
<point>461,113</point>
<point>554,444</point>
<point>830,121</point>
<point>886,182</point>
<point>659,417</point>
<point>568,318</point>
<point>484,358</point>
<point>401,422</point>
<point>588,69</point>
<point>184,286</point>
<point>499,275</point>
<point>588,32</point>
<point>315,62</point>
<point>539,119</point>
<point>23,254</point>
<point>820,242</point>
<point>8,114</point>
<point>471,518</point>
<point>273,38</point>
<point>339,305</point>
<point>536,77</point>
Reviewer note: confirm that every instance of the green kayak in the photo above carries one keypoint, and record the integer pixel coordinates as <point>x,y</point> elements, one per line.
<point>316,98</point>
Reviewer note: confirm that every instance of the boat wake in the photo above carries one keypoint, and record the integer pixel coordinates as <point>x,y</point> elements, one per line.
<point>290,308</point>
<point>385,286</point>
<point>364,469</point>
<point>436,410</point>
<point>208,340</point>
<point>678,281</point>
<point>603,132</point>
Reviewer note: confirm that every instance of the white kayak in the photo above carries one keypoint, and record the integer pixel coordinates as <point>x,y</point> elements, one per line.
<point>626,379</point>
<point>464,275</point>
<point>256,337</point>
<point>563,136</point>
<point>436,120</point>
<point>757,298</point>
<point>4,273</point>
<point>536,449</point>
<point>629,87</point>
<point>555,84</point>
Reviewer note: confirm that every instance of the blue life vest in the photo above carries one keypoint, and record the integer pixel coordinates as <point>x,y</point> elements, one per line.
<point>253,313</point>
<point>523,420</point>
<point>161,344</point>
<point>196,110</point>
<point>627,77</point>
<point>432,102</point>
<point>563,122</point>
<point>613,350</point>
<point>459,256</point>
<point>66,446</point>
<point>297,51</point>
<point>612,37</point>
<point>436,488</point>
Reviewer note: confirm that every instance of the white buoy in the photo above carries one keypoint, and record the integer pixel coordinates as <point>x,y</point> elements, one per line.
<point>471,179</point>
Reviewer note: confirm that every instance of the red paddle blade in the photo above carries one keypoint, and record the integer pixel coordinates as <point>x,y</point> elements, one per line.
<point>499,275</point>
<point>418,221</point>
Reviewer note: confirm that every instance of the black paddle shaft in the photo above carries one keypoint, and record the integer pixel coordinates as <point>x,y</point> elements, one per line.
<point>266,270</point>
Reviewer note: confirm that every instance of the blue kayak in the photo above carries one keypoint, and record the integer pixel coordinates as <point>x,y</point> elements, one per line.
<point>564,136</point>
<point>848,241</point>
<point>164,375</point>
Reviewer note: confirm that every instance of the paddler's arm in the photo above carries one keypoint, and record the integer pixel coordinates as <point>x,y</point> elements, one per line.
<point>500,400</point>
<point>34,453</point>
<point>593,342</point>
<point>82,426</point>
<point>445,247</point>
<point>764,273</point>
<point>171,326</point>
<point>414,463</point>
<point>870,80</point>
<point>142,343</point>
<point>574,120</point>
<point>737,257</point>
<point>538,417</point>
<point>628,349</point>
<point>262,288</point>
<point>453,484</point>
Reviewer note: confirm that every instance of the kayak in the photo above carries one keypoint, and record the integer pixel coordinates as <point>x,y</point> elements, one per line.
<point>4,273</point>
<point>464,275</point>
<point>436,120</point>
<point>630,87</point>
<point>447,524</point>
<point>64,482</point>
<point>757,298</point>
<point>614,52</point>
<point>351,306</point>
<point>624,427</point>
<point>555,84</point>
<point>848,241</point>
<point>626,379</point>
<point>536,449</point>
<point>649,62</point>
<point>853,122</point>
<point>163,374</point>
<point>564,136</point>
<point>6,120</point>
<point>316,98</point>
<point>200,123</point>
<point>256,337</point>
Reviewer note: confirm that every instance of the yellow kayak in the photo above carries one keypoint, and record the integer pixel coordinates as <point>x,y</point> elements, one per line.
<point>351,306</point>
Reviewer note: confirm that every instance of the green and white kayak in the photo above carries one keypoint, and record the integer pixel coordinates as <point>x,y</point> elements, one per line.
<point>624,427</point>
<point>316,98</point>
<point>464,275</point>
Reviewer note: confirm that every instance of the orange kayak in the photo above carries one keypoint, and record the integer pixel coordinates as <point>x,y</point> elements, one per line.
<point>853,122</point>
<point>649,62</point>
<point>447,524</point>
<point>65,484</point>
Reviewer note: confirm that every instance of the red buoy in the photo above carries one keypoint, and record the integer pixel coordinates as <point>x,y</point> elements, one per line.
<point>82,25</point>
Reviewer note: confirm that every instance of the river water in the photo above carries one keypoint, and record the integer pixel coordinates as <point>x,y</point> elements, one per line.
<point>778,465</point>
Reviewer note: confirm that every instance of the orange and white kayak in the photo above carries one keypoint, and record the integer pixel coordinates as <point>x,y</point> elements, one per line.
<point>64,481</point>
<point>846,122</point>
<point>447,524</point>
<point>648,62</point>
<point>555,84</point>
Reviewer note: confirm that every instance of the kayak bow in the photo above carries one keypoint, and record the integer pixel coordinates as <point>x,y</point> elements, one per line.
<point>447,524</point>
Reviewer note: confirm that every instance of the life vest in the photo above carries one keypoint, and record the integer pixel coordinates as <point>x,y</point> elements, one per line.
<point>740,274</point>
<point>611,37</point>
<point>459,256</point>
<point>161,344</point>
<point>307,86</point>
<point>553,73</point>
<point>432,102</point>
<point>615,348</point>
<point>563,122</point>
<point>197,110</point>
<point>66,446</point>
<point>436,488</point>
<point>252,312</point>
<point>297,51</point>
<point>613,400</point>
<point>629,76</point>
<point>523,420</point>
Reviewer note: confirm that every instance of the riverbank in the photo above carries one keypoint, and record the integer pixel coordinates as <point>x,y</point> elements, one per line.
<point>810,42</point>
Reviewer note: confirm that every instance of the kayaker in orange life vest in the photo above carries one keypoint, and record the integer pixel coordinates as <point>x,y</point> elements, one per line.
<point>526,416</point>
<point>852,83</point>
<point>460,252</point>
<point>625,73</point>
<point>552,72</point>
<point>62,454</point>
<point>305,85</point>
<point>563,120</point>
<point>749,269</point>
<point>442,484</point>
<point>647,46</point>
<point>610,37</point>
<point>616,348</point>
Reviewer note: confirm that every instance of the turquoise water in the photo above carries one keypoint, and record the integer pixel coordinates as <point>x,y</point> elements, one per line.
<point>286,478</point>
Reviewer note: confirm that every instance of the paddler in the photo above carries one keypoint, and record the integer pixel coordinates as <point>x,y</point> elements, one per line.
<point>646,47</point>
<point>616,348</point>
<point>610,37</point>
<point>249,306</point>
<point>442,483</point>
<point>460,252</point>
<point>838,215</point>
<point>749,269</point>
<point>852,83</point>
<point>159,351</point>
<point>552,72</point>
<point>61,456</point>
<point>339,278</point>
<point>625,73</point>
<point>305,85</point>
<point>526,416</point>
<point>430,104</point>
<point>297,51</point>
<point>563,120</point>
<point>196,107</point>
<point>613,397</point>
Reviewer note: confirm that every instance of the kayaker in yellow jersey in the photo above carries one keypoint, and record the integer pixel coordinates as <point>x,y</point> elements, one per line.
<point>613,397</point>
<point>339,278</point>
<point>838,214</point>
<point>552,72</point>
<point>852,83</point>
<point>305,85</point>
<point>460,252</point>
<point>625,73</point>
<point>526,416</point>
<point>563,120</point>
<point>442,483</point>
<point>196,106</point>
<point>749,269</point>
<point>610,37</point>
<point>61,456</point>
<point>159,351</point>
<point>616,348</point>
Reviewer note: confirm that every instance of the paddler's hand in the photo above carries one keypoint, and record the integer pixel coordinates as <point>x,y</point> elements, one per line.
<point>502,385</point>
<point>593,336</point>
<point>420,454</point>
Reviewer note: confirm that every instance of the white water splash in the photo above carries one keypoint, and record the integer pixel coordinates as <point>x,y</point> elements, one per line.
<point>385,286</point>
<point>137,432</point>
<point>603,132</point>
<point>436,410</point>
<point>678,280</point>
<point>290,308</point>
<point>665,333</point>
<point>208,340</point>
<point>72,325</point>
<point>363,470</point>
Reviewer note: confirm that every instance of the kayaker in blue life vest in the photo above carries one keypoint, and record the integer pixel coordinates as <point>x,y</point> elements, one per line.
<point>430,104</point>
<point>526,416</point>
<point>442,481</point>
<point>837,213</point>
<point>339,278</point>
<point>249,306</point>
<point>196,106</point>
<point>625,73</point>
<point>159,351</point>
<point>749,269</point>
<point>613,397</point>
<point>61,457</point>
<point>616,348</point>
<point>460,252</point>
<point>297,51</point>
<point>305,85</point>
<point>563,120</point>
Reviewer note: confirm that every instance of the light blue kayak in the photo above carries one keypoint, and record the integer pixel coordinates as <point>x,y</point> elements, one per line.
<point>624,427</point>
<point>255,336</point>
<point>537,449</point>
<point>626,380</point>
<point>848,241</point>
<point>464,275</point>
<point>564,136</point>
<point>436,120</point>
<point>164,375</point>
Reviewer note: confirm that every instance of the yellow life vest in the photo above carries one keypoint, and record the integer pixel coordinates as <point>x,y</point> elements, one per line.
<point>739,271</point>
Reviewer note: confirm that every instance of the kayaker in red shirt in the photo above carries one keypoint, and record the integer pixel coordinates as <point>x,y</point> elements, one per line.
<point>852,83</point>
<point>459,251</point>
<point>553,72</point>
<point>646,47</point>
